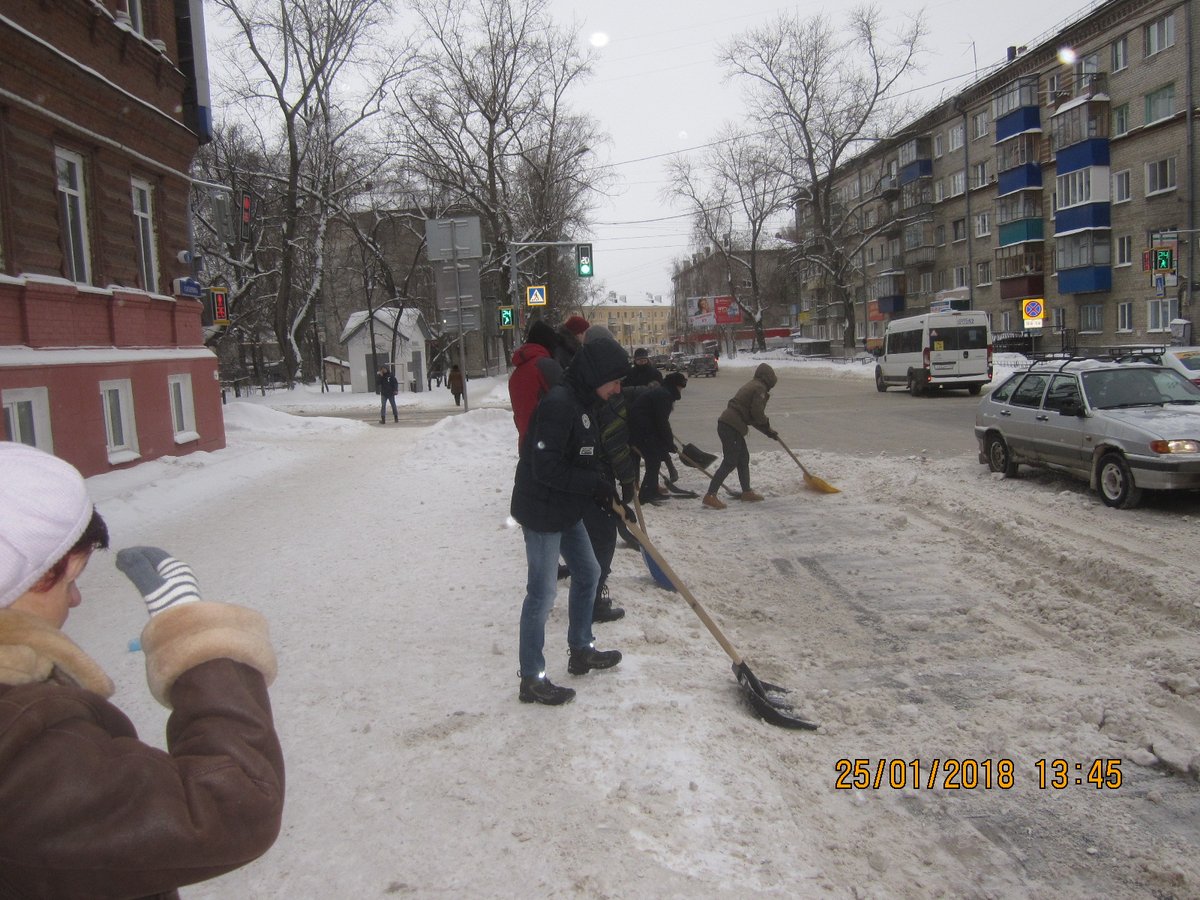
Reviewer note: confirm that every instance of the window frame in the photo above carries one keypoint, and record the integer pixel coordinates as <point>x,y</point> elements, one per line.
<point>38,399</point>
<point>1124,317</point>
<point>1120,53</point>
<point>73,215</point>
<point>983,224</point>
<point>183,407</point>
<point>1156,321</point>
<point>124,447</point>
<point>1091,318</point>
<point>1124,177</point>
<point>983,273</point>
<point>1152,43</point>
<point>1120,113</point>
<point>1124,254</point>
<point>145,233</point>
<point>1169,163</point>
<point>1155,97</point>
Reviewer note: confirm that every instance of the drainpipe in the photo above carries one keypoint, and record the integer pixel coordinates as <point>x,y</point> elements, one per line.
<point>1191,154</point>
<point>969,223</point>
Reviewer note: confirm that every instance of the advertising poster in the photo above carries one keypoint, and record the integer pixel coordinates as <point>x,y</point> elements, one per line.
<point>708,312</point>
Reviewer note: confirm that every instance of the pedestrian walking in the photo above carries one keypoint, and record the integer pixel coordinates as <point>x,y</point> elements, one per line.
<point>457,384</point>
<point>558,475</point>
<point>747,408</point>
<point>643,372</point>
<point>91,811</point>
<point>387,386</point>
<point>650,431</point>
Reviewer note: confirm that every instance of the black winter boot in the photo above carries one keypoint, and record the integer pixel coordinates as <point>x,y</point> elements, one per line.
<point>584,659</point>
<point>540,689</point>
<point>603,609</point>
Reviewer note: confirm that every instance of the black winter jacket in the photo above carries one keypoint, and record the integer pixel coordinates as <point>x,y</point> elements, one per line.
<point>559,471</point>
<point>650,420</point>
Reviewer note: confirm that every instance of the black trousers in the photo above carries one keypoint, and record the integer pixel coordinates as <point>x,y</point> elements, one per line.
<point>601,527</point>
<point>653,458</point>
<point>735,455</point>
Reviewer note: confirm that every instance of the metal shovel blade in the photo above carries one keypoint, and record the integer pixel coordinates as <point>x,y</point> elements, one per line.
<point>691,455</point>
<point>773,710</point>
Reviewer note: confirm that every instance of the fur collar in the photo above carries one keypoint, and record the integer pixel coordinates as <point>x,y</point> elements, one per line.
<point>32,650</point>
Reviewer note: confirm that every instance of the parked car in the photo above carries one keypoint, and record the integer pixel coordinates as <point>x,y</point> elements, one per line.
<point>1122,427</point>
<point>702,365</point>
<point>1184,360</point>
<point>936,350</point>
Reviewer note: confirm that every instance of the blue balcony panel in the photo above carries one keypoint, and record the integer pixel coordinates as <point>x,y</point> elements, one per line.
<point>1077,218</point>
<point>891,304</point>
<point>1093,152</point>
<point>1022,230</point>
<point>1018,179</point>
<point>1019,121</point>
<point>916,169</point>
<point>1084,280</point>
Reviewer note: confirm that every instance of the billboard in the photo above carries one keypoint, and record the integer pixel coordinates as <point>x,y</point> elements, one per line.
<point>708,312</point>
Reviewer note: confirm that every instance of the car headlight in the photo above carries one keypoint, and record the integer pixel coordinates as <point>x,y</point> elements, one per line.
<point>1175,446</point>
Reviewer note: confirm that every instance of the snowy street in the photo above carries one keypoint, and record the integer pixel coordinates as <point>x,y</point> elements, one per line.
<point>931,613</point>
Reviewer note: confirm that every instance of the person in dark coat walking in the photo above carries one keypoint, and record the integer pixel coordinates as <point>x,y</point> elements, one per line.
<point>747,408</point>
<point>558,475</point>
<point>650,430</point>
<point>644,372</point>
<point>457,384</point>
<point>535,372</point>
<point>91,810</point>
<point>387,386</point>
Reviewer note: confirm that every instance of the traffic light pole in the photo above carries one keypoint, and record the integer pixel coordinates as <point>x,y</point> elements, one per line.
<point>514,287</point>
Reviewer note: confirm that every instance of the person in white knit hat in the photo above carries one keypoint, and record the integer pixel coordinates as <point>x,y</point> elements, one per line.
<point>90,810</point>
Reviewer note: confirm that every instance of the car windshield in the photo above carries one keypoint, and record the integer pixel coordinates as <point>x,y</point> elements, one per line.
<point>1137,386</point>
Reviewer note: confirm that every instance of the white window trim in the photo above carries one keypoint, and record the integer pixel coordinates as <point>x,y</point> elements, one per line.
<point>1122,305</point>
<point>127,451</point>
<point>983,224</point>
<point>147,255</point>
<point>1128,186</point>
<point>80,198</point>
<point>1166,190</point>
<point>189,433</point>
<point>1129,262</point>
<point>40,398</point>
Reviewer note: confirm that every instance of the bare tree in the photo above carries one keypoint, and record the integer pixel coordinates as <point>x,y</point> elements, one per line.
<point>487,120</point>
<point>821,91</point>
<point>734,195</point>
<point>309,75</point>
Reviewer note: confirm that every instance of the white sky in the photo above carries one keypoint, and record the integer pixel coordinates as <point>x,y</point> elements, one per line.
<point>929,611</point>
<point>658,91</point>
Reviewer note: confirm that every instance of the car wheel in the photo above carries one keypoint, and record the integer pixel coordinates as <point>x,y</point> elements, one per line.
<point>1116,483</point>
<point>914,385</point>
<point>999,457</point>
<point>880,384</point>
<point>974,389</point>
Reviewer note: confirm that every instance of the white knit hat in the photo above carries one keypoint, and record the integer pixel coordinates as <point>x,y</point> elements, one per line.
<point>44,508</point>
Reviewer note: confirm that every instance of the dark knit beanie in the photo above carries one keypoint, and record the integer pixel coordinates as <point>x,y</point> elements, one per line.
<point>577,325</point>
<point>542,334</point>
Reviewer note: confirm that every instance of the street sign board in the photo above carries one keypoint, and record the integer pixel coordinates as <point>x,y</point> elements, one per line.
<point>468,322</point>
<point>463,291</point>
<point>447,239</point>
<point>1033,311</point>
<point>535,295</point>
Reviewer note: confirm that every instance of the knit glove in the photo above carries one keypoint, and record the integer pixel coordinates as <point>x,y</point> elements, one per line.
<point>162,580</point>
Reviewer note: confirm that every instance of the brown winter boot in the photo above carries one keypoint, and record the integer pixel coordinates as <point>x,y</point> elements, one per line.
<point>712,501</point>
<point>751,496</point>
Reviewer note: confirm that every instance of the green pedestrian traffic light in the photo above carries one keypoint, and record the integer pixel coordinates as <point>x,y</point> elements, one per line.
<point>506,317</point>
<point>583,260</point>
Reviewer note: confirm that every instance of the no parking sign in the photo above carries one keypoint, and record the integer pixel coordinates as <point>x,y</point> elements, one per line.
<point>1033,311</point>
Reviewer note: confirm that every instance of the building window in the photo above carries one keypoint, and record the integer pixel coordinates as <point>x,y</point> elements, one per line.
<point>939,235</point>
<point>926,282</point>
<point>1160,176</point>
<point>72,213</point>
<point>983,225</point>
<point>983,273</point>
<point>939,190</point>
<point>1160,104</point>
<point>27,417</point>
<point>1120,53</point>
<point>1074,188</point>
<point>1051,89</point>
<point>1087,248</point>
<point>960,276</point>
<point>183,411</point>
<point>979,125</point>
<point>1120,188</point>
<point>143,224</point>
<point>939,145</point>
<point>956,137</point>
<point>1159,34</point>
<point>137,17</point>
<point>1160,312</point>
<point>979,175</point>
<point>1125,250</point>
<point>1125,315</point>
<point>119,425</point>
<point>1058,317</point>
<point>958,183</point>
<point>1091,317</point>
<point>959,229</point>
<point>1120,120</point>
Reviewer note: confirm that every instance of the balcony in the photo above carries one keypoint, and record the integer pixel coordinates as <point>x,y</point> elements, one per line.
<point>889,186</point>
<point>920,257</point>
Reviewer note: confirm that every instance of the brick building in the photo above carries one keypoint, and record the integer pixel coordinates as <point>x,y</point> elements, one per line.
<point>1053,176</point>
<point>103,104</point>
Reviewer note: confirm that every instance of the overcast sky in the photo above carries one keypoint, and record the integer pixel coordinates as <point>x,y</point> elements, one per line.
<point>658,90</point>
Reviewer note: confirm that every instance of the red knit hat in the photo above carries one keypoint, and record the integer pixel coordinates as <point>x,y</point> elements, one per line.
<point>577,325</point>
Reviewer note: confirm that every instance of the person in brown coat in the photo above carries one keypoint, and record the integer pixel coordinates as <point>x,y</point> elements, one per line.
<point>747,408</point>
<point>90,810</point>
<point>456,383</point>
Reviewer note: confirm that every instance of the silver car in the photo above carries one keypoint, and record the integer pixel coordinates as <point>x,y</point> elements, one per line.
<point>1122,427</point>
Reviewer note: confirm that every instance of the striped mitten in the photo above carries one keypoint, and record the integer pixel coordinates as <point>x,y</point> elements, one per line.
<point>162,580</point>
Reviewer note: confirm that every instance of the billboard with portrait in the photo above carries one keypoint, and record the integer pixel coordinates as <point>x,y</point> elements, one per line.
<point>708,312</point>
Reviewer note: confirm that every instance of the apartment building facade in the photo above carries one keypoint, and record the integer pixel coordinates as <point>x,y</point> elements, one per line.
<point>103,104</point>
<point>1066,175</point>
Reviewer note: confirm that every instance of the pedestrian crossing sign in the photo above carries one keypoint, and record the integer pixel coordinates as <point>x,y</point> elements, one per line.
<point>535,295</point>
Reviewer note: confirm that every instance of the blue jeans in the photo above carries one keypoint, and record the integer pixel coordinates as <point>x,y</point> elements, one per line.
<point>384,400</point>
<point>541,552</point>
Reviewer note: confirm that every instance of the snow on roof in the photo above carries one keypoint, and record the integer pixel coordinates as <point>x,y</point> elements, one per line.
<point>412,323</point>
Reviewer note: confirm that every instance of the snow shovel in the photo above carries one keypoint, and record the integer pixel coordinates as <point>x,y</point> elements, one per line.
<point>660,577</point>
<point>820,485</point>
<point>763,696</point>
<point>691,455</point>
